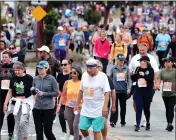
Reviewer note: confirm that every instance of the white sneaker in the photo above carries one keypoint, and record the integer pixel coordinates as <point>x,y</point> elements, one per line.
<point>143,124</point>
<point>71,137</point>
<point>55,120</point>
<point>65,136</point>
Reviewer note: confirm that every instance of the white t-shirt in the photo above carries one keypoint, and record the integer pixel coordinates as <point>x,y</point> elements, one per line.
<point>134,63</point>
<point>93,89</point>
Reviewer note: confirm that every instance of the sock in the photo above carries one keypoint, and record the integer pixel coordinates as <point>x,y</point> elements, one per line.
<point>88,138</point>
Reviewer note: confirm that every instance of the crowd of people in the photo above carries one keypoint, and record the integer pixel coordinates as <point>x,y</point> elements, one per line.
<point>84,99</point>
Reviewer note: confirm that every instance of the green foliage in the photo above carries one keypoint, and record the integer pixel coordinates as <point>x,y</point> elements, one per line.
<point>3,21</point>
<point>51,21</point>
<point>92,16</point>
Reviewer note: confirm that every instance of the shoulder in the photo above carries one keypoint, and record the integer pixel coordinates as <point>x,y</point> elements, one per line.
<point>29,76</point>
<point>55,35</point>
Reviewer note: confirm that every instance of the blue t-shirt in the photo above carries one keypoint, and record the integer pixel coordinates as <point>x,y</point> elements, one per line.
<point>60,41</point>
<point>163,41</point>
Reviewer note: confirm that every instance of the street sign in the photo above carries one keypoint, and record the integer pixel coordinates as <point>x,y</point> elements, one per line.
<point>29,11</point>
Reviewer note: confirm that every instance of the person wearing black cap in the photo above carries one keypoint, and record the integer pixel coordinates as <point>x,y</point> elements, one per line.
<point>144,77</point>
<point>120,75</point>
<point>168,77</point>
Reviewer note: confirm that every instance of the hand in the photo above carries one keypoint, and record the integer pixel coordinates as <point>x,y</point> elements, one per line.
<point>131,73</point>
<point>113,109</point>
<point>5,108</point>
<point>58,109</point>
<point>141,73</point>
<point>32,88</point>
<point>40,93</point>
<point>105,111</point>
<point>129,91</point>
<point>76,108</point>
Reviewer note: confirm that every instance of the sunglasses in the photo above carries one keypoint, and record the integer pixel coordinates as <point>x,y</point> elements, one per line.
<point>64,64</point>
<point>11,48</point>
<point>74,73</point>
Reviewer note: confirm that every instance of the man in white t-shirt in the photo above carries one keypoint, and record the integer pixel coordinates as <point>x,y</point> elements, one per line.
<point>134,63</point>
<point>94,92</point>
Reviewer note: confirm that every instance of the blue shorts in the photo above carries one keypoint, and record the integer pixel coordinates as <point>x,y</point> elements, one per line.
<point>86,122</point>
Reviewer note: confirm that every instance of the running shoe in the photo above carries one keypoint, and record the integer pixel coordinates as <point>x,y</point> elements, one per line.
<point>112,124</point>
<point>11,138</point>
<point>65,136</point>
<point>147,126</point>
<point>137,128</point>
<point>143,123</point>
<point>170,127</point>
<point>71,137</point>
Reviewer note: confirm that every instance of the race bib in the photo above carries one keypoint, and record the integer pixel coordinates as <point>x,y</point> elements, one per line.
<point>167,86</point>
<point>163,44</point>
<point>120,76</point>
<point>89,93</point>
<point>71,103</point>
<point>62,42</point>
<point>15,59</point>
<point>142,82</point>
<point>5,84</point>
<point>134,42</point>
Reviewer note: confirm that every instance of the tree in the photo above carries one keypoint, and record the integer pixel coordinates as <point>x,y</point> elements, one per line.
<point>51,22</point>
<point>92,16</point>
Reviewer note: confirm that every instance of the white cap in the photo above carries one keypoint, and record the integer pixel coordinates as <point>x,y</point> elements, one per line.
<point>18,31</point>
<point>44,48</point>
<point>91,62</point>
<point>60,28</point>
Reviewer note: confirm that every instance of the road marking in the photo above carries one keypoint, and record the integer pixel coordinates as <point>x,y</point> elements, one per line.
<point>5,133</point>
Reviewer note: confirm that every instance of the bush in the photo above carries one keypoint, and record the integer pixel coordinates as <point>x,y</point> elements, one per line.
<point>92,17</point>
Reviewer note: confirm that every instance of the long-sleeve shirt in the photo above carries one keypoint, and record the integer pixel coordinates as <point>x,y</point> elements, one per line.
<point>121,79</point>
<point>48,85</point>
<point>102,49</point>
<point>118,48</point>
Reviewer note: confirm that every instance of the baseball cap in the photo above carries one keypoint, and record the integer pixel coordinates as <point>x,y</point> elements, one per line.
<point>91,63</point>
<point>43,64</point>
<point>169,59</point>
<point>60,28</point>
<point>99,64</point>
<point>44,48</point>
<point>144,58</point>
<point>18,32</point>
<point>121,57</point>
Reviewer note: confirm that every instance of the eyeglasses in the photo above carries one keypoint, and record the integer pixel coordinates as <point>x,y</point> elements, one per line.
<point>74,73</point>
<point>11,48</point>
<point>64,64</point>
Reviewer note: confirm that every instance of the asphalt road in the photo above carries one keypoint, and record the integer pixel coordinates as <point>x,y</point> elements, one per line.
<point>158,123</point>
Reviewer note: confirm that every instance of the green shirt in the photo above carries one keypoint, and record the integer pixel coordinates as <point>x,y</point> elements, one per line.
<point>168,76</point>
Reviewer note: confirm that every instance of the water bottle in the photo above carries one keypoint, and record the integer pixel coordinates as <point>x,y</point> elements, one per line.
<point>37,90</point>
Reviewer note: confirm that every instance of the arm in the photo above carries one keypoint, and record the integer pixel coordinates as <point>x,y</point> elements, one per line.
<point>64,92</point>
<point>113,96</point>
<point>112,52</point>
<point>167,51</point>
<point>106,100</point>
<point>79,99</point>
<point>58,66</point>
<point>129,82</point>
<point>8,97</point>
<point>125,51</point>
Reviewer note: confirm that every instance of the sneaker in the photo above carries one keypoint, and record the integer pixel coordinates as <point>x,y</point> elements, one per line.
<point>122,124</point>
<point>71,137</point>
<point>112,124</point>
<point>65,136</point>
<point>143,123</point>
<point>167,127</point>
<point>170,127</point>
<point>54,120</point>
<point>147,126</point>
<point>11,138</point>
<point>137,128</point>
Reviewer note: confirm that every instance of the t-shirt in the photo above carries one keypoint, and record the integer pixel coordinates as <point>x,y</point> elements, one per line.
<point>168,78</point>
<point>21,85</point>
<point>134,63</point>
<point>163,41</point>
<point>60,41</point>
<point>93,89</point>
<point>61,80</point>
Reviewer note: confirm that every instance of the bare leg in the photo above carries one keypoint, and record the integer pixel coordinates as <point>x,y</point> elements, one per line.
<point>134,105</point>
<point>97,135</point>
<point>105,130</point>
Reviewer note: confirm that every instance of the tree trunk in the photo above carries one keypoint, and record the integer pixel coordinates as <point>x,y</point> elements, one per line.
<point>106,14</point>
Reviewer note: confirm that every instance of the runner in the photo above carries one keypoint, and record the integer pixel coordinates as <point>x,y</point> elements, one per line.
<point>20,100</point>
<point>61,78</point>
<point>14,54</point>
<point>144,77</point>
<point>71,90</point>
<point>102,49</point>
<point>120,75</point>
<point>6,73</point>
<point>60,43</point>
<point>44,88</point>
<point>95,96</point>
<point>2,48</point>
<point>168,77</point>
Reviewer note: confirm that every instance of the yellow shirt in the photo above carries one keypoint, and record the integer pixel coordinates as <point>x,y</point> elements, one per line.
<point>118,48</point>
<point>72,92</point>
